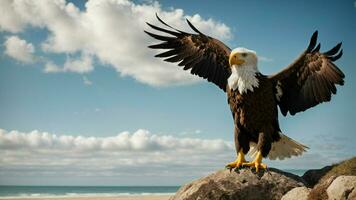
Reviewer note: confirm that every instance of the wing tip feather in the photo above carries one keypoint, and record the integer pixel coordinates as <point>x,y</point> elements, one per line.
<point>164,23</point>
<point>313,41</point>
<point>317,48</point>
<point>194,28</point>
<point>182,50</point>
<point>333,50</point>
<point>338,56</point>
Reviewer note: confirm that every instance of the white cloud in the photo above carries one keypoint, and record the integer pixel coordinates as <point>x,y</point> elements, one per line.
<point>131,155</point>
<point>19,49</point>
<point>50,67</point>
<point>10,20</point>
<point>81,65</point>
<point>40,153</point>
<point>111,30</point>
<point>141,140</point>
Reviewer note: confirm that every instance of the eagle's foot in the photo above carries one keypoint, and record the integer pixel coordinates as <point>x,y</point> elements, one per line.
<point>240,160</point>
<point>236,164</point>
<point>257,163</point>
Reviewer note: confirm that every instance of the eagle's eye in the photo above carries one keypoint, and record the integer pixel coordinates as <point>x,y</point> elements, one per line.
<point>244,54</point>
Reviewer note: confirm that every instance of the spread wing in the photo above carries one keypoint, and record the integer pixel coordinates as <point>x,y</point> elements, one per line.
<point>309,80</point>
<point>204,56</point>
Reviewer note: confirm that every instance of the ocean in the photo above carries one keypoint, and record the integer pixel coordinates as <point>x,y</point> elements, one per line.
<point>83,191</point>
<point>7,192</point>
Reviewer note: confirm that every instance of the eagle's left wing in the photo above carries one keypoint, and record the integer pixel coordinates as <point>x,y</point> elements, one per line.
<point>204,56</point>
<point>309,80</point>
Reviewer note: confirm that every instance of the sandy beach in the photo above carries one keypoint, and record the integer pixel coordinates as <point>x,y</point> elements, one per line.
<point>157,197</point>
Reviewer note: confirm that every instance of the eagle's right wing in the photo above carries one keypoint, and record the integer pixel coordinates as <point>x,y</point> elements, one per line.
<point>207,57</point>
<point>309,80</point>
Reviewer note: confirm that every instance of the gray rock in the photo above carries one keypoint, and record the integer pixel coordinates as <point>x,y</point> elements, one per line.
<point>241,184</point>
<point>298,193</point>
<point>342,188</point>
<point>319,190</point>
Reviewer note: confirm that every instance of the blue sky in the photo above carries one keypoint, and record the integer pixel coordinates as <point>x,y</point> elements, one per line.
<point>98,97</point>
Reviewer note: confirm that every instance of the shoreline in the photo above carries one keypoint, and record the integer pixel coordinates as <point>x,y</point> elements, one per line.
<point>134,197</point>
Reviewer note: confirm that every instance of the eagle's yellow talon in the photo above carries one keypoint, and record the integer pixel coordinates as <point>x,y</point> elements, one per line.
<point>263,166</point>
<point>238,162</point>
<point>235,164</point>
<point>257,163</point>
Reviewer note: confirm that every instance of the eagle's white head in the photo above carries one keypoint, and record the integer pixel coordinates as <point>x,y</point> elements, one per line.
<point>243,57</point>
<point>243,63</point>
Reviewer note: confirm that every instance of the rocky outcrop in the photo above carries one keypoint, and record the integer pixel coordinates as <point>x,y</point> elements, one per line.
<point>336,182</point>
<point>335,188</point>
<point>240,184</point>
<point>298,193</point>
<point>319,190</point>
<point>343,187</point>
<point>322,179</point>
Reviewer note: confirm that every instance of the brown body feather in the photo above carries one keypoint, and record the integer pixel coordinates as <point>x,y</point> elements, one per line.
<point>255,120</point>
<point>308,81</point>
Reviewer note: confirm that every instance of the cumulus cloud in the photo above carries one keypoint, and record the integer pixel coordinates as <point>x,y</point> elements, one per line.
<point>81,65</point>
<point>19,49</point>
<point>140,154</point>
<point>125,154</point>
<point>10,20</point>
<point>112,31</point>
<point>50,67</point>
<point>141,140</point>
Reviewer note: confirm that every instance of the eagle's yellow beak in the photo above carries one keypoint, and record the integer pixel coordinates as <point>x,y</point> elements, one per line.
<point>235,59</point>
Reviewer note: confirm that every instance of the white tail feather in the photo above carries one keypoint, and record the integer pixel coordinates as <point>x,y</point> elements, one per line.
<point>286,147</point>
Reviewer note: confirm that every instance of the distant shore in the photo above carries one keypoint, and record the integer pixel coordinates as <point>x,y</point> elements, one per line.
<point>148,197</point>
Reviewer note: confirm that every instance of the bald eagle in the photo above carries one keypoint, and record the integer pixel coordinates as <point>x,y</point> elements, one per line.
<point>254,97</point>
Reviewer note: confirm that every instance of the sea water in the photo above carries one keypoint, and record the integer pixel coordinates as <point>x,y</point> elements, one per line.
<point>7,192</point>
<point>83,191</point>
